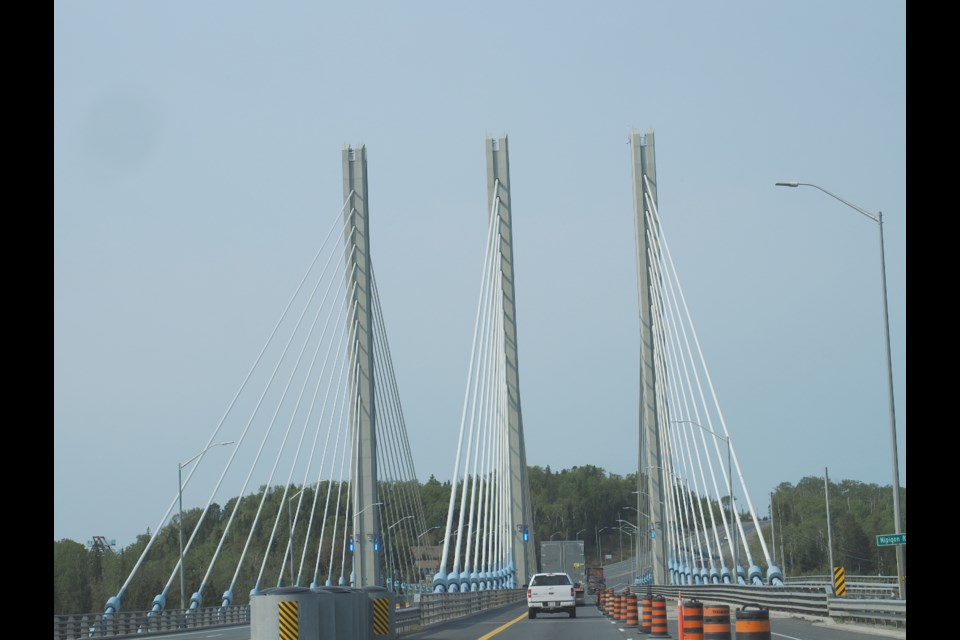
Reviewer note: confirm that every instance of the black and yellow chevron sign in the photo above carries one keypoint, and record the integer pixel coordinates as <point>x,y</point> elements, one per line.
<point>839,582</point>
<point>289,620</point>
<point>381,616</point>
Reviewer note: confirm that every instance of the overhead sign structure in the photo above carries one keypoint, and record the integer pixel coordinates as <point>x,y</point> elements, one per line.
<point>891,539</point>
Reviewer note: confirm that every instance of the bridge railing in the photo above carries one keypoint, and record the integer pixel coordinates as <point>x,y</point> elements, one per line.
<point>803,600</point>
<point>856,588</point>
<point>425,609</point>
<point>440,607</point>
<point>135,623</point>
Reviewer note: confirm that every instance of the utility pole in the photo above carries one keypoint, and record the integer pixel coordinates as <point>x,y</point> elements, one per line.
<point>826,490</point>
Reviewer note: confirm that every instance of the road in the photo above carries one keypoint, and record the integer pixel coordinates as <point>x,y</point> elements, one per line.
<point>511,623</point>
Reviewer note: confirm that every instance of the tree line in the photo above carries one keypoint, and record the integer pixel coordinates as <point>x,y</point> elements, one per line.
<point>570,504</point>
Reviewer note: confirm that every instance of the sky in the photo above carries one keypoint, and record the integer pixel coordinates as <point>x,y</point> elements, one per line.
<point>197,164</point>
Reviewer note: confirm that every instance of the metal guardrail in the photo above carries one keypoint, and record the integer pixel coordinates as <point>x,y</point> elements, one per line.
<point>440,607</point>
<point>870,611</point>
<point>137,623</point>
<point>803,600</point>
<point>427,609</point>
<point>827,579</point>
<point>855,589</point>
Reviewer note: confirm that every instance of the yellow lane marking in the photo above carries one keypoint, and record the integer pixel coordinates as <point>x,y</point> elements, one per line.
<point>501,628</point>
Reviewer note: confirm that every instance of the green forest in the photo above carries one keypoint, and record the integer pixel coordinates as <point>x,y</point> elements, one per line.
<point>569,504</point>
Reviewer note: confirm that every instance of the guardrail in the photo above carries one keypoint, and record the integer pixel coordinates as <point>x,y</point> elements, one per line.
<point>134,623</point>
<point>803,600</point>
<point>870,611</point>
<point>427,609</point>
<point>855,588</point>
<point>440,607</point>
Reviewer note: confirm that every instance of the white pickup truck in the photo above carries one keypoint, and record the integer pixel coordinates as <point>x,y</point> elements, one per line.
<point>551,593</point>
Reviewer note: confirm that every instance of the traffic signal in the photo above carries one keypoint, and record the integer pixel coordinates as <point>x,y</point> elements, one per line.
<point>351,544</point>
<point>376,543</point>
<point>526,534</point>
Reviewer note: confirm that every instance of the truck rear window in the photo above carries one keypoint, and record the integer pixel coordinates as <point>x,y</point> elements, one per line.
<point>544,581</point>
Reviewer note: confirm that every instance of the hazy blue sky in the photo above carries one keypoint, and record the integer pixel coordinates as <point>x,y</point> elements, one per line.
<point>197,166</point>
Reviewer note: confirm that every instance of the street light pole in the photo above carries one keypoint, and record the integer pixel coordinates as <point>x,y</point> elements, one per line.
<point>734,517</point>
<point>290,514</point>
<point>826,492</point>
<point>634,541</point>
<point>600,546</point>
<point>392,557</point>
<point>631,545</point>
<point>180,466</point>
<point>578,533</point>
<point>636,546</point>
<point>621,539</point>
<point>897,519</point>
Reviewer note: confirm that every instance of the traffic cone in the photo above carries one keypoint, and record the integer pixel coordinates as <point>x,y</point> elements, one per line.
<point>680,614</point>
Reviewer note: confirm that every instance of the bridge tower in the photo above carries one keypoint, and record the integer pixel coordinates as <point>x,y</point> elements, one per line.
<point>650,489</point>
<point>521,514</point>
<point>366,512</point>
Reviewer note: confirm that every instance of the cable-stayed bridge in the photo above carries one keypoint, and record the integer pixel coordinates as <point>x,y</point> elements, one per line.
<point>315,480</point>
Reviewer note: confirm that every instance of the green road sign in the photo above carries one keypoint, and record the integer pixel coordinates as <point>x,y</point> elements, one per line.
<point>891,539</point>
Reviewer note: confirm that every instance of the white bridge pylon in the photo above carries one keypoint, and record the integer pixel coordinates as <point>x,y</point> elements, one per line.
<point>690,529</point>
<point>493,533</point>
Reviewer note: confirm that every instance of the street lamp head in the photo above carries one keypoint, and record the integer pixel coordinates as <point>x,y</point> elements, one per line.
<point>428,531</point>
<point>398,522</point>
<point>181,465</point>
<point>375,504</point>
<point>788,184</point>
<point>625,522</point>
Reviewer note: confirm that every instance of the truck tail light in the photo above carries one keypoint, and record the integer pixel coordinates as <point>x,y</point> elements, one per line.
<point>571,592</point>
<point>529,592</point>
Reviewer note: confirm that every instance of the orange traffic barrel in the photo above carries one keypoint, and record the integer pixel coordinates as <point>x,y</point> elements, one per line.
<point>753,625</point>
<point>618,607</point>
<point>716,622</point>
<point>658,619</point>
<point>631,614</point>
<point>646,613</point>
<point>693,620</point>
